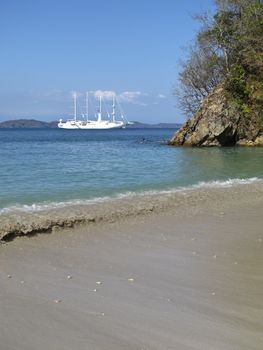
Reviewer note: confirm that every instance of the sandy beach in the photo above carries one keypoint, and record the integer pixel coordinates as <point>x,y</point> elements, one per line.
<point>174,279</point>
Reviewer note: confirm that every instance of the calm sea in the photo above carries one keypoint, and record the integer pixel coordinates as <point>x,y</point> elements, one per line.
<point>43,167</point>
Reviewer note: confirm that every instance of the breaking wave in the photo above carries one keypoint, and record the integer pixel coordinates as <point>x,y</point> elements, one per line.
<point>42,217</point>
<point>37,207</point>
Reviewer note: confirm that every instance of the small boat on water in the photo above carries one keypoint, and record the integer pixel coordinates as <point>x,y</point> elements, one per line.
<point>94,124</point>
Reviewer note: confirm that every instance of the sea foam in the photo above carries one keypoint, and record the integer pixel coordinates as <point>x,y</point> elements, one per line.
<point>46,206</point>
<point>209,197</point>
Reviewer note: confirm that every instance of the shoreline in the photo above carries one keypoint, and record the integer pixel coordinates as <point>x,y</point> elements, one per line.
<point>176,278</point>
<point>192,199</point>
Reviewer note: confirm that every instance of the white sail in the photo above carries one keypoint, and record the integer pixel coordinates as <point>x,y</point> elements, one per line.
<point>90,124</point>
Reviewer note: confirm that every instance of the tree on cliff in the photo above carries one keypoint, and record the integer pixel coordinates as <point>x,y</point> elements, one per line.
<point>221,83</point>
<point>228,49</point>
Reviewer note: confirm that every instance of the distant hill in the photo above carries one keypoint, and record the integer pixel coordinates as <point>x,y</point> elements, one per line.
<point>27,123</point>
<point>138,125</point>
<point>37,124</point>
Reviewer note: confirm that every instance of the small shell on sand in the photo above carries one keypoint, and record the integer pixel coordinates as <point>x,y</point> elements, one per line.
<point>98,283</point>
<point>56,301</point>
<point>215,256</point>
<point>9,276</point>
<point>69,277</point>
<point>131,279</point>
<point>213,293</point>
<point>22,282</point>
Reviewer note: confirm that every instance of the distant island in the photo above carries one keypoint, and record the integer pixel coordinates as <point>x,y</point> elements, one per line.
<point>28,123</point>
<point>37,124</point>
<point>138,125</point>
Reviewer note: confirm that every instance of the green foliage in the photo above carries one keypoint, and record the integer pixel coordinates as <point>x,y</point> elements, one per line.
<point>231,47</point>
<point>245,108</point>
<point>236,85</point>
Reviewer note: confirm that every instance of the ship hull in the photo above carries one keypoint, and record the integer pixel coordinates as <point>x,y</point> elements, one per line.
<point>91,125</point>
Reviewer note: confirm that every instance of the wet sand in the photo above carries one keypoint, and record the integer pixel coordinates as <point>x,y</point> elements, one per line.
<point>170,280</point>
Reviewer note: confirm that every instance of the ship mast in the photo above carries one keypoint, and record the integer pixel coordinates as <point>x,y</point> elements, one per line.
<point>113,109</point>
<point>75,105</point>
<point>99,113</point>
<point>87,105</point>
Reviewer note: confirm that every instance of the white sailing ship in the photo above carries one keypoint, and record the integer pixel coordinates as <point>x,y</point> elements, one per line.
<point>99,123</point>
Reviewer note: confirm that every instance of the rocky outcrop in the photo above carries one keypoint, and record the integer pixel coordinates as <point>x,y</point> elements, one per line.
<point>220,123</point>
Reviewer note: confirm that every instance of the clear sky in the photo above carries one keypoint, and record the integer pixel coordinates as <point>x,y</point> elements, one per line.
<point>50,48</point>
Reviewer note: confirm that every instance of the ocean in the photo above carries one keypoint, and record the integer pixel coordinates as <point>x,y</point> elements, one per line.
<point>45,169</point>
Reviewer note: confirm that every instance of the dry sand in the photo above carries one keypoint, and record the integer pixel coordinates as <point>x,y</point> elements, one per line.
<point>159,281</point>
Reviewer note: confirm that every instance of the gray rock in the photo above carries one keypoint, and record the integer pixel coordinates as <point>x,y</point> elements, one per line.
<point>219,122</point>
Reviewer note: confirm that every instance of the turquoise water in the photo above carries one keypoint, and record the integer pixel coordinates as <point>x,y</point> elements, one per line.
<point>44,166</point>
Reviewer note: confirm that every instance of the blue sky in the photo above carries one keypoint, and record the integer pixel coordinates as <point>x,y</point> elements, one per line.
<point>50,48</point>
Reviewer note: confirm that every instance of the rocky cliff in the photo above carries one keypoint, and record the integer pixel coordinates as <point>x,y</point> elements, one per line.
<point>219,122</point>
